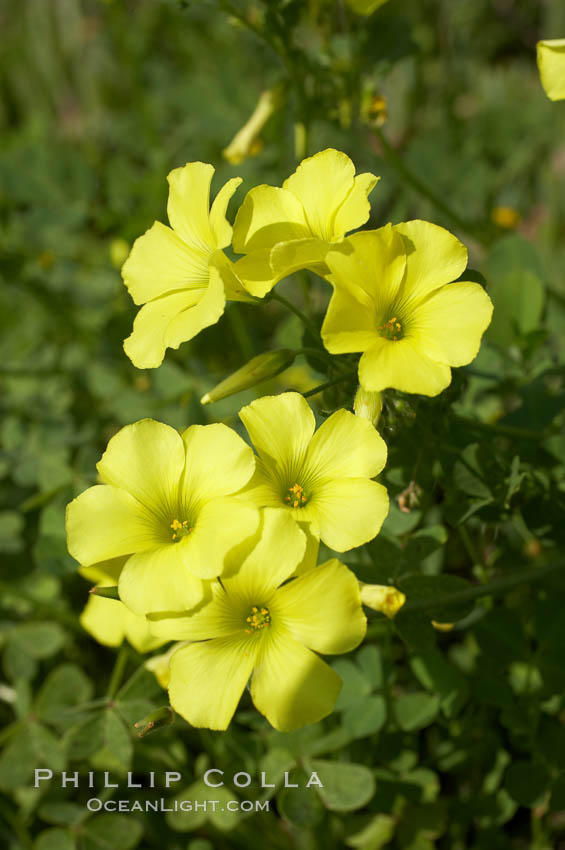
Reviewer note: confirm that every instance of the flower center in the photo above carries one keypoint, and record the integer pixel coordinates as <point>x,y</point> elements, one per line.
<point>179,529</point>
<point>259,618</point>
<point>392,329</point>
<point>295,497</point>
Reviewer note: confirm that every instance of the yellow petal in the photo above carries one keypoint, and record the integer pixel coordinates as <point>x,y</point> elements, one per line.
<point>146,344</point>
<point>351,319</point>
<point>106,573</point>
<point>160,263</point>
<point>291,686</point>
<point>450,323</point>
<point>373,260</point>
<point>268,215</point>
<point>221,228</point>
<point>434,257</point>
<point>350,511</point>
<point>256,273</point>
<point>195,317</point>
<point>280,428</point>
<point>188,207</point>
<point>207,680</point>
<point>105,522</point>
<point>109,622</point>
<point>289,257</point>
<point>322,609</point>
<point>212,618</point>
<point>404,366</point>
<point>345,446</point>
<point>356,209</point>
<point>279,550</point>
<point>160,580</point>
<point>551,64</point>
<point>146,459</point>
<point>223,525</point>
<point>218,462</point>
<point>322,183</point>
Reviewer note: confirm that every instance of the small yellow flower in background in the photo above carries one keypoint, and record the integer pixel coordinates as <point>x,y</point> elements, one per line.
<point>282,230</point>
<point>551,64</point>
<point>322,479</point>
<point>374,109</point>
<point>393,301</point>
<point>108,620</point>
<point>119,250</point>
<point>167,504</point>
<point>246,141</point>
<point>255,627</point>
<point>180,274</point>
<point>506,217</point>
<point>365,7</point>
<point>384,598</point>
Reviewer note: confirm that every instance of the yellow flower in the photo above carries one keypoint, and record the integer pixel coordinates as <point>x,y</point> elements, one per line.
<point>381,597</point>
<point>255,627</point>
<point>246,141</point>
<point>108,620</point>
<point>394,302</point>
<point>506,217</point>
<point>179,273</point>
<point>166,504</point>
<point>322,479</point>
<point>551,64</point>
<point>160,665</point>
<point>282,230</point>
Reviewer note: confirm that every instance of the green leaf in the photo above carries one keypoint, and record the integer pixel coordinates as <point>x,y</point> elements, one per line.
<point>526,782</point>
<point>355,684</point>
<point>32,747</point>
<point>370,660</point>
<point>347,787</point>
<point>61,813</point>
<point>111,832</point>
<point>54,839</point>
<point>196,815</point>
<point>416,629</point>
<point>11,527</point>
<point>65,687</point>
<point>39,640</point>
<point>435,589</point>
<point>378,832</point>
<point>301,806</point>
<point>438,676</point>
<point>416,711</point>
<point>117,746</point>
<point>365,717</point>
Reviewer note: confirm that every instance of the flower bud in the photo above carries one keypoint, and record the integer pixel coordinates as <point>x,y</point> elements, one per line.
<point>106,592</point>
<point>259,369</point>
<point>442,627</point>
<point>368,405</point>
<point>381,597</point>
<point>246,141</point>
<point>155,720</point>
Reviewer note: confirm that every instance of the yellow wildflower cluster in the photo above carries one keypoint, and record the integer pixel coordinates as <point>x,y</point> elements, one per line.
<point>213,543</point>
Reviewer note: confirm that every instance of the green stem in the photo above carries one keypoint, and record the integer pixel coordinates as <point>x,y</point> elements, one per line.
<point>504,430</point>
<point>274,296</point>
<point>396,161</point>
<point>346,377</point>
<point>118,671</point>
<point>469,546</point>
<point>493,588</point>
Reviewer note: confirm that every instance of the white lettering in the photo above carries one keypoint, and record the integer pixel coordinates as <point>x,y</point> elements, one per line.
<point>48,774</point>
<point>208,773</point>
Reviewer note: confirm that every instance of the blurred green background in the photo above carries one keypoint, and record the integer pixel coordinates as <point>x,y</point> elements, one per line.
<point>452,740</point>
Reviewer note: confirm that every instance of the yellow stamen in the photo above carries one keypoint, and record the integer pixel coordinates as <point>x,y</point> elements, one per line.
<point>392,329</point>
<point>296,499</point>
<point>180,529</point>
<point>258,619</point>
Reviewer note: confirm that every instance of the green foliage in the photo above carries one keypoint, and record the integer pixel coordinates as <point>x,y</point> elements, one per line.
<point>441,739</point>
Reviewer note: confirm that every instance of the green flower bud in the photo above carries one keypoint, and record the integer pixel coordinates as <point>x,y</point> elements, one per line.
<point>163,716</point>
<point>368,405</point>
<point>259,369</point>
<point>106,592</point>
